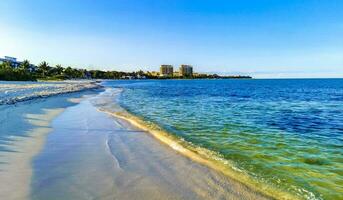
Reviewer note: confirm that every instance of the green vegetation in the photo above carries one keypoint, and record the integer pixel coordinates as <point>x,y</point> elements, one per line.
<point>28,72</point>
<point>8,73</point>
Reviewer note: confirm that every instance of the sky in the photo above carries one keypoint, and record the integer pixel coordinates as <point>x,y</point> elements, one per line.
<point>262,38</point>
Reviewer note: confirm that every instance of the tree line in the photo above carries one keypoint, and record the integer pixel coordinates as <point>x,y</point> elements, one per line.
<point>28,72</point>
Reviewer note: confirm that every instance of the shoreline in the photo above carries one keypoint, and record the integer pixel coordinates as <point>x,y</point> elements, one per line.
<point>110,158</point>
<point>199,155</point>
<point>44,89</point>
<point>20,164</point>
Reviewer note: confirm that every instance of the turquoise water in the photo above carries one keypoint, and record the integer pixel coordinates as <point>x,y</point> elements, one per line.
<point>284,133</point>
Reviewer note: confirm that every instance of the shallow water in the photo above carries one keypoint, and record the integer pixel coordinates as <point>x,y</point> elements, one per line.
<point>285,133</point>
<point>91,155</point>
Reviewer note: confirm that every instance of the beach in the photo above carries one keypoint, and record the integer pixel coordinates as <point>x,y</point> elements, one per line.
<point>157,99</point>
<point>110,159</point>
<point>172,139</point>
<point>69,149</point>
<point>279,137</point>
<point>24,123</point>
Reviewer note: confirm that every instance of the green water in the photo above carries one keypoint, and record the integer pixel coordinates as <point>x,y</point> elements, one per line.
<point>284,133</point>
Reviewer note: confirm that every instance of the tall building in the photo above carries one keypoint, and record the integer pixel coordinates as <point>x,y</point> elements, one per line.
<point>166,70</point>
<point>186,70</point>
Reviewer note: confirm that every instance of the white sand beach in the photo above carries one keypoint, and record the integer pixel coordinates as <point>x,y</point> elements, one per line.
<point>16,174</point>
<point>64,147</point>
<point>92,155</point>
<point>24,126</point>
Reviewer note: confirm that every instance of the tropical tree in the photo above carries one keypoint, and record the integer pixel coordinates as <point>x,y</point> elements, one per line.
<point>43,67</point>
<point>69,72</point>
<point>25,65</point>
<point>8,73</point>
<point>59,69</point>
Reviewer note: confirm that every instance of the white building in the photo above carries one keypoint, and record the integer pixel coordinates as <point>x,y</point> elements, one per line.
<point>14,62</point>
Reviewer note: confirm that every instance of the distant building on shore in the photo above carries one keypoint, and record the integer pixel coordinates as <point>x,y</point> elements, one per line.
<point>176,74</point>
<point>166,70</point>
<point>13,61</point>
<point>186,70</point>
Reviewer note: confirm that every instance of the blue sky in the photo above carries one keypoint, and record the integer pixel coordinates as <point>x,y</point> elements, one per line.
<point>263,38</point>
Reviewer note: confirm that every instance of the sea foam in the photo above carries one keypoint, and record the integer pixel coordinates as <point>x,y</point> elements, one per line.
<point>13,92</point>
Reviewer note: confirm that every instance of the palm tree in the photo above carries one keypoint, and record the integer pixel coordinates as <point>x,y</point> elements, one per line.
<point>43,68</point>
<point>59,69</point>
<point>6,65</point>
<point>68,72</point>
<point>25,65</point>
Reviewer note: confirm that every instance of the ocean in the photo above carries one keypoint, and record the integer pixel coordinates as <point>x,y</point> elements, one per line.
<point>285,135</point>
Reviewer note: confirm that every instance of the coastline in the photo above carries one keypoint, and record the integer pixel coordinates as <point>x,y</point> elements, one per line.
<point>197,154</point>
<point>275,136</point>
<point>14,92</point>
<point>204,157</point>
<point>23,149</point>
<point>96,155</point>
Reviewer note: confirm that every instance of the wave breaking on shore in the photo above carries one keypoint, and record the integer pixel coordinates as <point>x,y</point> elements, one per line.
<point>198,154</point>
<point>13,92</point>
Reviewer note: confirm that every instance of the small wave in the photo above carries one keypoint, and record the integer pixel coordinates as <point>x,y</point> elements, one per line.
<point>204,156</point>
<point>108,147</point>
<point>14,93</point>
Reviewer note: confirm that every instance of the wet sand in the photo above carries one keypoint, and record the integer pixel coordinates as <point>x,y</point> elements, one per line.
<point>92,155</point>
<point>16,174</point>
<point>23,129</point>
